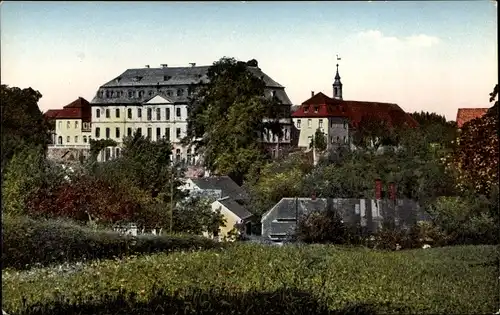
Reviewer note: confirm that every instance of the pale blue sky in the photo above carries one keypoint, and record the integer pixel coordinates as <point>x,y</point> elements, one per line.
<point>427,55</point>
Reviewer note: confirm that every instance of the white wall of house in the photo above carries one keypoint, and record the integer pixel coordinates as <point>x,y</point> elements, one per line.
<point>157,118</point>
<point>335,129</point>
<point>72,132</point>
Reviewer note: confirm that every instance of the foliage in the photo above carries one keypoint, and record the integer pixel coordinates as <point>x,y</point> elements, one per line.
<point>228,116</point>
<point>276,180</point>
<point>27,242</point>
<point>319,142</point>
<point>97,146</point>
<point>465,220</point>
<point>195,216</point>
<point>475,160</point>
<point>22,121</point>
<point>372,132</point>
<point>88,198</point>
<point>26,173</point>
<point>321,227</point>
<point>450,280</point>
<point>435,128</point>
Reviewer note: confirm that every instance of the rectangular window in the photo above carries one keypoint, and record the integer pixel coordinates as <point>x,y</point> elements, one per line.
<point>60,124</point>
<point>129,132</point>
<point>178,112</point>
<point>98,113</point>
<point>149,113</point>
<point>309,123</point>
<point>117,113</point>
<point>178,133</point>
<point>298,123</point>
<point>167,113</point>
<point>158,133</point>
<point>321,123</point>
<point>139,113</point>
<point>139,131</point>
<point>97,132</point>
<point>76,124</point>
<point>117,132</point>
<point>107,133</point>
<point>68,124</point>
<point>129,113</point>
<point>150,132</point>
<point>107,113</point>
<point>158,114</point>
<point>68,139</point>
<point>167,134</point>
<point>76,139</point>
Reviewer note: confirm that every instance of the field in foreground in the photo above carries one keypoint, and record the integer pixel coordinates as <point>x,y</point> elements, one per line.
<point>256,279</point>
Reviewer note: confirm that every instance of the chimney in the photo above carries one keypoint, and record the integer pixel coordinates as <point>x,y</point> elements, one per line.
<point>312,93</point>
<point>164,65</point>
<point>192,64</point>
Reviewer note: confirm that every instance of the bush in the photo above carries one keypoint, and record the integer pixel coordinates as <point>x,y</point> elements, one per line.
<point>27,242</point>
<point>465,220</point>
<point>321,227</point>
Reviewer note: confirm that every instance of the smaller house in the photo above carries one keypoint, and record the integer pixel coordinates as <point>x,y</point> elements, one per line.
<point>280,221</point>
<point>216,187</point>
<point>465,115</point>
<point>237,217</point>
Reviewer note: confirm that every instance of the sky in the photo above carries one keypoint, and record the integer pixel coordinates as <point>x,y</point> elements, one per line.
<point>434,56</point>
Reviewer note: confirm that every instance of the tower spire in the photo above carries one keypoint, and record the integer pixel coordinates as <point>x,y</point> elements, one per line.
<point>337,84</point>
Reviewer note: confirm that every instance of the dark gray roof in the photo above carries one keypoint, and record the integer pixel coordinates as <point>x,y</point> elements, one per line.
<point>151,78</point>
<point>235,208</point>
<point>287,207</point>
<point>224,183</point>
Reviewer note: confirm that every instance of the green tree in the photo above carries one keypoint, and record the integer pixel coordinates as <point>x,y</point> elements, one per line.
<point>475,160</point>
<point>26,173</point>
<point>436,129</point>
<point>147,165</point>
<point>227,119</point>
<point>195,216</point>
<point>319,141</point>
<point>373,132</point>
<point>22,121</point>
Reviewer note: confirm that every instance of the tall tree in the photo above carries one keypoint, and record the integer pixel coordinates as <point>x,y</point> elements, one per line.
<point>319,141</point>
<point>372,132</point>
<point>436,128</point>
<point>476,158</point>
<point>22,121</point>
<point>227,118</point>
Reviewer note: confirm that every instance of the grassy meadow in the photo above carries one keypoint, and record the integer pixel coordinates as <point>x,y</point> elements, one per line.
<point>259,279</point>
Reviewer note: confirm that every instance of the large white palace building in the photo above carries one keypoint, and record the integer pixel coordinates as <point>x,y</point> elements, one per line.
<point>155,102</point>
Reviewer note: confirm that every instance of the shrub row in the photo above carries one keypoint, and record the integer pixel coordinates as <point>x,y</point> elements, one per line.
<point>27,242</point>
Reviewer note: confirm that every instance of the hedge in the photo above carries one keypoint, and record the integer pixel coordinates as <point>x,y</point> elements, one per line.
<point>27,242</point>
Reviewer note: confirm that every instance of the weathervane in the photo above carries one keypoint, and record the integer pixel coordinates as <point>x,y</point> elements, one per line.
<point>338,58</point>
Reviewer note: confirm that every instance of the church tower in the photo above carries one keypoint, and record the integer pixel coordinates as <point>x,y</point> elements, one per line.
<point>337,86</point>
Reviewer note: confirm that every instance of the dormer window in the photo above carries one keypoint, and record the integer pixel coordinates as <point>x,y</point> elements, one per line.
<point>306,109</point>
<point>273,93</point>
<point>166,77</point>
<point>316,109</point>
<point>130,94</point>
<point>118,79</point>
<point>169,93</point>
<point>137,78</point>
<point>107,94</point>
<point>180,92</point>
<point>141,93</point>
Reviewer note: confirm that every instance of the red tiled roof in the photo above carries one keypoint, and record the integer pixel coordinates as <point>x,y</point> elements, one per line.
<point>51,113</point>
<point>467,114</point>
<point>78,109</point>
<point>321,105</point>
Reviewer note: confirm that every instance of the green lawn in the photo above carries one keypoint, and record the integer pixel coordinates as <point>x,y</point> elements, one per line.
<point>446,280</point>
